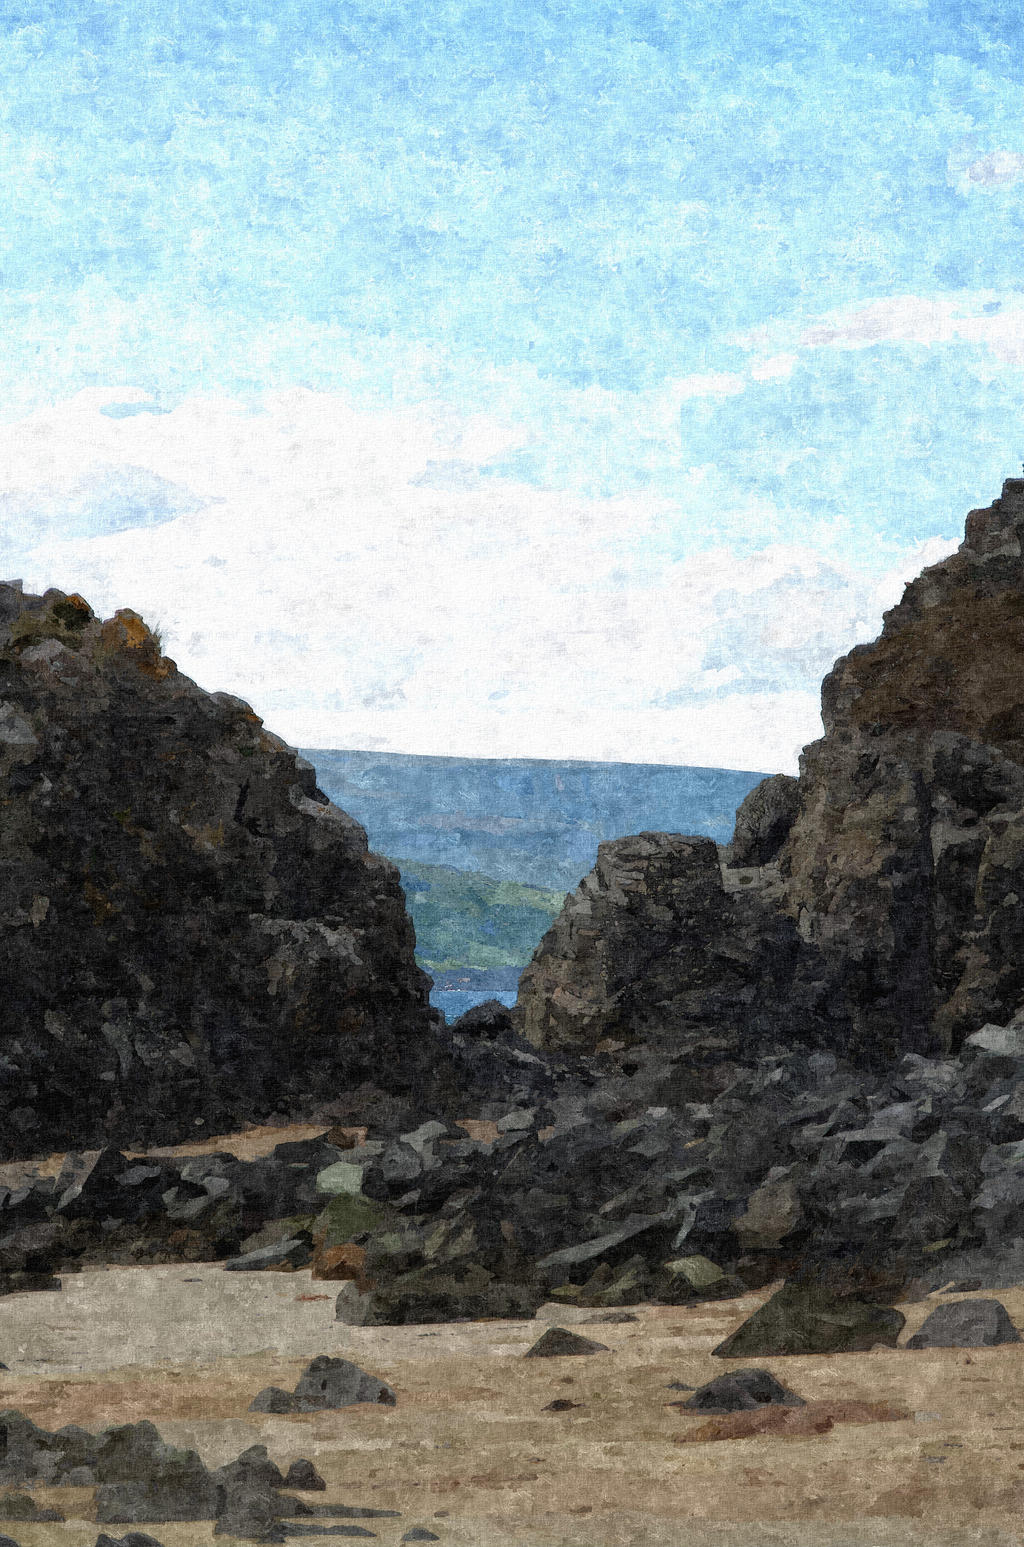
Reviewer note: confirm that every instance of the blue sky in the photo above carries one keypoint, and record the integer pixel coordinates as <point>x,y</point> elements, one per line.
<point>713,311</point>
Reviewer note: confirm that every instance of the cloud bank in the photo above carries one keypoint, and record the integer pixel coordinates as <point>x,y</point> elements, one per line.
<point>320,569</point>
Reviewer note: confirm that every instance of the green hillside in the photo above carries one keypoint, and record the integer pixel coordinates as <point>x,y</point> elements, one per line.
<point>464,919</point>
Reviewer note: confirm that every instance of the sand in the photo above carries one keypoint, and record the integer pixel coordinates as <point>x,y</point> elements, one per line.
<point>470,1452</point>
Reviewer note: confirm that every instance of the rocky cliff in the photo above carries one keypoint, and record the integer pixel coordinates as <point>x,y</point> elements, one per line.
<point>876,905</point>
<point>191,934</point>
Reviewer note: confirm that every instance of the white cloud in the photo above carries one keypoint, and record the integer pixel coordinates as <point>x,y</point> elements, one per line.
<point>980,318</point>
<point>996,170</point>
<point>776,368</point>
<point>354,604</point>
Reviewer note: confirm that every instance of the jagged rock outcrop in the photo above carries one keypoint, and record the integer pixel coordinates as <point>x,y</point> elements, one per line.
<point>191,934</point>
<point>649,940</point>
<point>877,904</point>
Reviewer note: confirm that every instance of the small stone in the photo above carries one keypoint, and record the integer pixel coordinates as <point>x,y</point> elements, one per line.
<point>280,1256</point>
<point>420,1534</point>
<point>561,1405</point>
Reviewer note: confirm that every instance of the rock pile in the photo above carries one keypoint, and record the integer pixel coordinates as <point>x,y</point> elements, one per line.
<point>139,1478</point>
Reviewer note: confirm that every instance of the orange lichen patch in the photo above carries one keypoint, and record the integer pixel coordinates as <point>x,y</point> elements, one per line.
<point>793,1422</point>
<point>126,631</point>
<point>347,1261</point>
<point>73,610</point>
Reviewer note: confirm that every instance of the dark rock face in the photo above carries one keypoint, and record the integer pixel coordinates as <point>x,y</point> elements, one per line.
<point>189,930</point>
<point>966,1324</point>
<point>875,906</point>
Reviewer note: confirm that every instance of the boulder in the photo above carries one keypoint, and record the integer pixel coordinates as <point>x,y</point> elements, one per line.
<point>274,1399</point>
<point>559,1342</point>
<point>489,1021</point>
<point>810,1319</point>
<point>741,1389</point>
<point>19,1506</point>
<point>328,1383</point>
<point>649,943</point>
<point>459,1292</point>
<point>966,1324</point>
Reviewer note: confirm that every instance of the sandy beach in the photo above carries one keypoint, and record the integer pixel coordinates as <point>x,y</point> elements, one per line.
<point>470,1452</point>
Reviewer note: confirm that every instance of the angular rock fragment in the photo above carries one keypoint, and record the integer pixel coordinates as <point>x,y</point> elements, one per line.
<point>280,1256</point>
<point>558,1342</point>
<point>809,1319</point>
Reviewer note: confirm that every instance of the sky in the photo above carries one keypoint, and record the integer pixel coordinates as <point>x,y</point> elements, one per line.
<point>540,378</point>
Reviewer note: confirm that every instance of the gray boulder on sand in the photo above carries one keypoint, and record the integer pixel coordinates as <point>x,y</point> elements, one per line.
<point>133,1539</point>
<point>331,1382</point>
<point>810,1319</point>
<point>966,1324</point>
<point>558,1341</point>
<point>326,1383</point>
<point>740,1390</point>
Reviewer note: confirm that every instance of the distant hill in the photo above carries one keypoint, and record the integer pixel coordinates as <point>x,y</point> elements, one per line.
<point>464,919</point>
<point>489,847</point>
<point>538,823</point>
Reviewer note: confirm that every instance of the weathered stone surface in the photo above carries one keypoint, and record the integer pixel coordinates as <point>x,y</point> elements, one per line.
<point>966,1324</point>
<point>188,929</point>
<point>130,1539</point>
